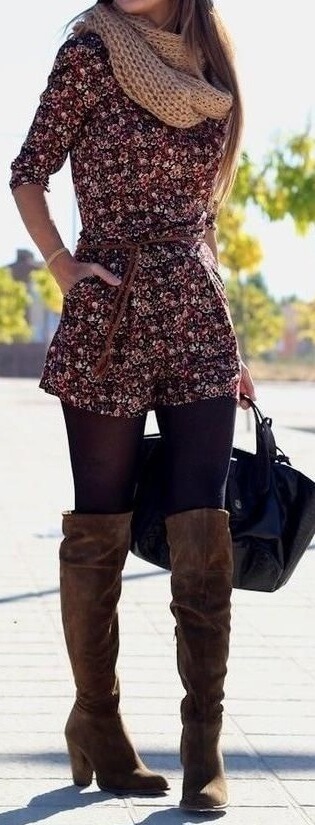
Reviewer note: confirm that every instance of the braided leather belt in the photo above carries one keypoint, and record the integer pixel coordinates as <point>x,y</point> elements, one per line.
<point>123,292</point>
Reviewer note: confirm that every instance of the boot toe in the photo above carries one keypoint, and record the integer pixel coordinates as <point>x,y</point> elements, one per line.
<point>157,782</point>
<point>139,782</point>
<point>150,782</point>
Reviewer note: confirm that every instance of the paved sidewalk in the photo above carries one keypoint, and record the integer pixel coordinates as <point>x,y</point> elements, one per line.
<point>269,729</point>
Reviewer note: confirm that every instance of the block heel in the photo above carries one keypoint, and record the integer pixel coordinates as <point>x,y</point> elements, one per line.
<point>82,772</point>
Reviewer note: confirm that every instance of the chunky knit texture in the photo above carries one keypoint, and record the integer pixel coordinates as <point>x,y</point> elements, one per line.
<point>153,68</point>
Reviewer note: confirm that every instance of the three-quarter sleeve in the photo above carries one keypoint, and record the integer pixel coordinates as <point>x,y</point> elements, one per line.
<point>74,87</point>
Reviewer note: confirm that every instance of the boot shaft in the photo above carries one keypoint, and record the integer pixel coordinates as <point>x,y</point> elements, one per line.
<point>92,556</point>
<point>201,584</point>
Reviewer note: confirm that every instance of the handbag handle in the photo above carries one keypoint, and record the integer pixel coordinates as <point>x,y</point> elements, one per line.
<point>263,424</point>
<point>266,448</point>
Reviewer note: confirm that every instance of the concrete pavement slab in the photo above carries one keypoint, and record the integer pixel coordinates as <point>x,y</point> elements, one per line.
<point>234,816</point>
<point>73,812</point>
<point>302,791</point>
<point>309,813</point>
<point>52,793</point>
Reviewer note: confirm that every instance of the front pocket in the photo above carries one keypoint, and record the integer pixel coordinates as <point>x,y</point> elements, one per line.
<point>79,284</point>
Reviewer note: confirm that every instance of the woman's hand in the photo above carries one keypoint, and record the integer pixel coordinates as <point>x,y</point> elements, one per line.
<point>32,204</point>
<point>246,386</point>
<point>67,271</point>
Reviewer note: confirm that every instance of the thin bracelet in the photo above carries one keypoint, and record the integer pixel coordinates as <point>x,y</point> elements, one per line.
<point>55,255</point>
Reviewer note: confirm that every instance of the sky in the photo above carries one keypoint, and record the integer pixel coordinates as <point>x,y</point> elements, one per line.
<point>274,43</point>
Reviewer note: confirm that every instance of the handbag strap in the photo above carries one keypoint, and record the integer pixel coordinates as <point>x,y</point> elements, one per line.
<point>266,447</point>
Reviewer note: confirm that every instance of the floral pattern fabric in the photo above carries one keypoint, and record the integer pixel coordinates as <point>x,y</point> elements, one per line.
<point>135,178</point>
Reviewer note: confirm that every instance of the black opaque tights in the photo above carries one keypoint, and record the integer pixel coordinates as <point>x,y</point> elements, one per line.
<point>105,454</point>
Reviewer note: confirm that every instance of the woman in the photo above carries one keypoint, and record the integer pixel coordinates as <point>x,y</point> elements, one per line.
<point>144,97</point>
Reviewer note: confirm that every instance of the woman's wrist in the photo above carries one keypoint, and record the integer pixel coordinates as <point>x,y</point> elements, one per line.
<point>51,258</point>
<point>63,269</point>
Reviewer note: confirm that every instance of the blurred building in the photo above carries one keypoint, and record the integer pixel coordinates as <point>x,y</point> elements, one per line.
<point>24,264</point>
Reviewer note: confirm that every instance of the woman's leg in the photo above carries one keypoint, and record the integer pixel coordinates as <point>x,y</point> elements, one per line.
<point>199,442</point>
<point>104,456</point>
<point>104,453</point>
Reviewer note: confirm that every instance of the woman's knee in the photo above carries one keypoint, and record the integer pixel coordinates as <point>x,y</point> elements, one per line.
<point>195,484</point>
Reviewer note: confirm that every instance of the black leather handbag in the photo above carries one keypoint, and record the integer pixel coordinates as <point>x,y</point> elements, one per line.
<point>271,506</point>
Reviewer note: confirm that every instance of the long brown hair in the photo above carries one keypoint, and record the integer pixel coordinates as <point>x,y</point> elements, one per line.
<point>202,28</point>
<point>201,25</point>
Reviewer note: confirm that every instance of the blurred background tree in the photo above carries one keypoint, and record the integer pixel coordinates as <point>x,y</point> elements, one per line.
<point>256,315</point>
<point>48,289</point>
<point>14,300</point>
<point>305,312</point>
<point>284,184</point>
<point>238,251</point>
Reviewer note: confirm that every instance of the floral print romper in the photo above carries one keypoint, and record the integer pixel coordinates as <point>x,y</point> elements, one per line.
<point>138,183</point>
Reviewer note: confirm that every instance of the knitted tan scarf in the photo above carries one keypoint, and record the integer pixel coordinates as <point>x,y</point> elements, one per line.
<point>152,66</point>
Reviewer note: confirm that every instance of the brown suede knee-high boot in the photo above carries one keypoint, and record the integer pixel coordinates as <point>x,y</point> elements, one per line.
<point>201,581</point>
<point>92,556</point>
